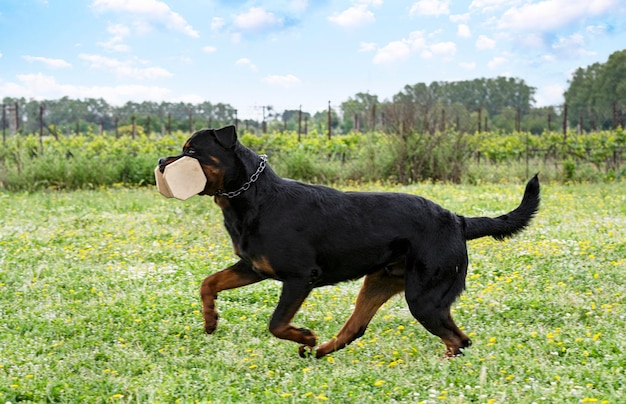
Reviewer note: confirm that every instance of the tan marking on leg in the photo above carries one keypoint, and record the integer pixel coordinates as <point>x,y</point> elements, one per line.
<point>291,333</point>
<point>377,289</point>
<point>230,278</point>
<point>262,265</point>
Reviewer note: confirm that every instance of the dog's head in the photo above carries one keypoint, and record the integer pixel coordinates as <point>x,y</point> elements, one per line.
<point>214,150</point>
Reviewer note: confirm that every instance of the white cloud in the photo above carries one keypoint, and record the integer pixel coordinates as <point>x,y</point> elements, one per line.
<point>298,6</point>
<point>217,23</point>
<point>150,10</point>
<point>288,80</point>
<point>468,65</point>
<point>496,62</point>
<point>549,95</point>
<point>235,37</point>
<point>435,33</point>
<point>246,63</point>
<point>256,19</point>
<point>142,27</point>
<point>458,18</point>
<point>115,43</point>
<point>463,30</point>
<point>484,42</point>
<point>121,68</point>
<point>118,30</point>
<point>370,2</point>
<point>447,50</point>
<point>416,40</point>
<point>115,46</point>
<point>571,45</point>
<point>596,29</point>
<point>531,40</point>
<point>395,51</point>
<point>52,63</point>
<point>367,46</point>
<point>488,5</point>
<point>209,49</point>
<point>426,54</point>
<point>549,15</point>
<point>353,17</point>
<point>183,59</point>
<point>398,51</point>
<point>39,87</point>
<point>430,7</point>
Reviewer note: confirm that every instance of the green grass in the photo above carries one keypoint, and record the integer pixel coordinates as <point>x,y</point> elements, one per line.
<point>99,303</point>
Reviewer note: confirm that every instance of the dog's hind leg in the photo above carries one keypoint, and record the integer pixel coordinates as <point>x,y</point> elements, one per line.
<point>377,288</point>
<point>440,323</point>
<point>240,274</point>
<point>291,298</point>
<point>430,300</point>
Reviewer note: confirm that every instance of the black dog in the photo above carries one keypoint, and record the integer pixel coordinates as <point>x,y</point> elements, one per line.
<point>307,236</point>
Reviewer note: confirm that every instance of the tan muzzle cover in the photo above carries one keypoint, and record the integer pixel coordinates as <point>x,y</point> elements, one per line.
<point>181,179</point>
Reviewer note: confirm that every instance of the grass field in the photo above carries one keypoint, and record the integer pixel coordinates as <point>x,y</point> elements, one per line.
<point>99,303</point>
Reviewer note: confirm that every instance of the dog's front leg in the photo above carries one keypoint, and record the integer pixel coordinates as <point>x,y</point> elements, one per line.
<point>240,274</point>
<point>291,298</point>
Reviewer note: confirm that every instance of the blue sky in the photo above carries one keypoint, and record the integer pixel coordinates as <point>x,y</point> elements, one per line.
<point>292,53</point>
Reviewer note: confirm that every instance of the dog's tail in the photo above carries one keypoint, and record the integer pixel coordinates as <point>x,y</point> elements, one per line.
<point>509,224</point>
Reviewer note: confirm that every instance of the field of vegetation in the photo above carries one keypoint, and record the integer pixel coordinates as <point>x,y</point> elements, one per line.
<point>91,161</point>
<point>99,302</point>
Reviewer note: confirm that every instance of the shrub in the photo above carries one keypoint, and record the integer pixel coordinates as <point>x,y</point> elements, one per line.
<point>439,157</point>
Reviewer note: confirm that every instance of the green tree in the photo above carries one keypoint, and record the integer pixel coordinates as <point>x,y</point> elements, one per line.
<point>360,112</point>
<point>595,91</point>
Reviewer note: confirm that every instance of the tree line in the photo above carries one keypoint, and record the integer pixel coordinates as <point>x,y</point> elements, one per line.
<point>595,99</point>
<point>597,94</point>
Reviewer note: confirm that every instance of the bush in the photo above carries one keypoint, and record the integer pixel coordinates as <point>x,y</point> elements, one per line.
<point>439,157</point>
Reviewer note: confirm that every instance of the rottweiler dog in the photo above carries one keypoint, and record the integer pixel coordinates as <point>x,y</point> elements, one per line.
<point>307,236</point>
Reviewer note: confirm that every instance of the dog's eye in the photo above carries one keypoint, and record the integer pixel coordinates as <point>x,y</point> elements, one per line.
<point>191,151</point>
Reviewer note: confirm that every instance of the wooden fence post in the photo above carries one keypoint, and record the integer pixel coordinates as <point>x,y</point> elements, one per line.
<point>330,121</point>
<point>17,117</point>
<point>443,119</point>
<point>41,107</point>
<point>299,122</point>
<point>564,122</point>
<point>549,121</point>
<point>134,126</point>
<point>373,125</point>
<point>4,124</point>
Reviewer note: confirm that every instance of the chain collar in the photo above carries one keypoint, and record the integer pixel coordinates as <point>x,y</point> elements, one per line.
<point>253,178</point>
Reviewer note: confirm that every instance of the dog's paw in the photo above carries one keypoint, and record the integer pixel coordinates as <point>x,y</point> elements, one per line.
<point>210,323</point>
<point>305,351</point>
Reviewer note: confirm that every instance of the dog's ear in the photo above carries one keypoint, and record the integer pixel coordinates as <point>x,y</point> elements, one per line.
<point>226,136</point>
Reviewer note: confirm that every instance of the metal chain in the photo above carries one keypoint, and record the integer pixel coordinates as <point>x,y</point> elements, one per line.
<point>253,178</point>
